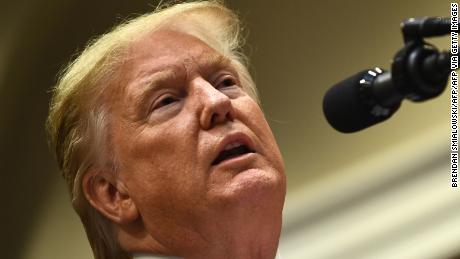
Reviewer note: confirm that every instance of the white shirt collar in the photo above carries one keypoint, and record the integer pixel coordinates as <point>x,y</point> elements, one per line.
<point>145,256</point>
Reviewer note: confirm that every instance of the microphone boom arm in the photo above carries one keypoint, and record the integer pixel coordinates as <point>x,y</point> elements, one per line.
<point>418,72</point>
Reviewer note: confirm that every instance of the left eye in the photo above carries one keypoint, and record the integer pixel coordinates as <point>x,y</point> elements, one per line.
<point>226,82</point>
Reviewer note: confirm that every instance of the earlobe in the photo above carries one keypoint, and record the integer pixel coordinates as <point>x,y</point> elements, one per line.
<point>109,196</point>
<point>128,209</point>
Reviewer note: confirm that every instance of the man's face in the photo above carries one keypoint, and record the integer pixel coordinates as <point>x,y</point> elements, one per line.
<point>194,150</point>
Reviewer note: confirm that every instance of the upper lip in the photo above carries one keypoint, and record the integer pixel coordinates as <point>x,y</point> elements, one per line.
<point>237,137</point>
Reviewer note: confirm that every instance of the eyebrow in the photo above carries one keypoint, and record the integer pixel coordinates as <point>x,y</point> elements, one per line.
<point>214,62</point>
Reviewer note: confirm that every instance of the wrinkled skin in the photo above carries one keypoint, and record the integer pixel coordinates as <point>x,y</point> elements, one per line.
<point>177,99</point>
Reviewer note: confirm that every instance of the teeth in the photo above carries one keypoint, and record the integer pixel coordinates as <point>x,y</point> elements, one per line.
<point>232,145</point>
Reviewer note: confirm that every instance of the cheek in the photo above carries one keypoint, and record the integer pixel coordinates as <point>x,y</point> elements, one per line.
<point>164,188</point>
<point>158,165</point>
<point>253,117</point>
<point>159,148</point>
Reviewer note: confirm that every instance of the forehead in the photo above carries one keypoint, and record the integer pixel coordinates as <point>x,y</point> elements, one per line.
<point>165,49</point>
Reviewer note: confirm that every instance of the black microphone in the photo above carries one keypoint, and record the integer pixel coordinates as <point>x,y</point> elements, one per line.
<point>355,103</point>
<point>419,72</point>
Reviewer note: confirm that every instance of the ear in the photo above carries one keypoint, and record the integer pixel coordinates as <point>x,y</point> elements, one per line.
<point>109,196</point>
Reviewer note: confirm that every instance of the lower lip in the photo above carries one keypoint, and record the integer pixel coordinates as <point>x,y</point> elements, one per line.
<point>237,161</point>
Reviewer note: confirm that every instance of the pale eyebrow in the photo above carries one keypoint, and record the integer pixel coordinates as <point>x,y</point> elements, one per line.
<point>215,62</point>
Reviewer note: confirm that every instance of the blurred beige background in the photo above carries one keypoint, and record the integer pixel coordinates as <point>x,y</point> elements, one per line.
<point>380,193</point>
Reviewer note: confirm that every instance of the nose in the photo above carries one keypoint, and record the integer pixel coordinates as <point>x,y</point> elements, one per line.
<point>215,107</point>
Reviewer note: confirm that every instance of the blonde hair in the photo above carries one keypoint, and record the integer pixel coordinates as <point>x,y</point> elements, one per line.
<point>77,121</point>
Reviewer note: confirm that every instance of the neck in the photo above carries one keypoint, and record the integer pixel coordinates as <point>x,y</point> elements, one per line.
<point>243,236</point>
<point>249,232</point>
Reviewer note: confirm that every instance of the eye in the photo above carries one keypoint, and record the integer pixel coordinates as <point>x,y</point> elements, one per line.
<point>164,101</point>
<point>226,81</point>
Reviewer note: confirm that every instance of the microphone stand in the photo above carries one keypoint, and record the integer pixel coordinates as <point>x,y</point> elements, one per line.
<point>419,70</point>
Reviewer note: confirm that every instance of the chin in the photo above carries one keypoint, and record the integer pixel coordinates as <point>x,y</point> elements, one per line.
<point>255,186</point>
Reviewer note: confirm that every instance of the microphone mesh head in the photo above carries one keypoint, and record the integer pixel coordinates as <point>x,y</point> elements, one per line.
<point>346,109</point>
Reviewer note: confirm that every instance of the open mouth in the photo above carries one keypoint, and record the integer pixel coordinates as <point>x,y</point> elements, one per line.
<point>231,151</point>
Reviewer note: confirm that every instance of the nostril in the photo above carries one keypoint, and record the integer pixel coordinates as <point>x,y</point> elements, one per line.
<point>213,118</point>
<point>229,116</point>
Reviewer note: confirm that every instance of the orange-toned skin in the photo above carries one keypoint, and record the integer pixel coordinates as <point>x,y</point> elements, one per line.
<point>174,104</point>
